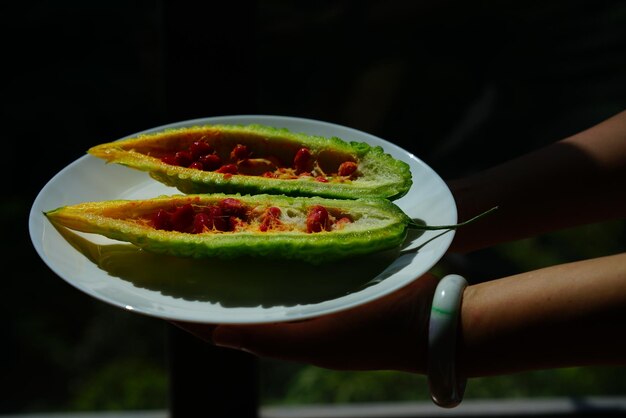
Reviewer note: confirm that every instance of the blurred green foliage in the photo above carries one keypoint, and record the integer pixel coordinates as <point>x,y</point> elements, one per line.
<point>129,384</point>
<point>312,385</point>
<point>579,243</point>
<point>567,382</point>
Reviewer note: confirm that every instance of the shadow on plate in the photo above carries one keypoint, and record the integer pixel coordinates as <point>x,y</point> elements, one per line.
<point>413,234</point>
<point>242,282</point>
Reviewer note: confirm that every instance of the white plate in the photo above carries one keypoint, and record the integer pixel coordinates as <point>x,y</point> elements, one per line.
<point>239,291</point>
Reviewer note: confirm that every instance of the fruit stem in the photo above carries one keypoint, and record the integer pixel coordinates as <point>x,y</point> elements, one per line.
<point>415,225</point>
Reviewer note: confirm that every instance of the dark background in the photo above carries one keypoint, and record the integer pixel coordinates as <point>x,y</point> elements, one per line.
<point>461,84</point>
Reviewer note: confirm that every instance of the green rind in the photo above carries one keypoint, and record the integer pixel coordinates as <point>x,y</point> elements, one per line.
<point>381,174</point>
<point>389,232</point>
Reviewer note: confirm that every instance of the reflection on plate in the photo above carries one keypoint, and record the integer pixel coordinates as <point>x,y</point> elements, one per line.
<point>239,291</point>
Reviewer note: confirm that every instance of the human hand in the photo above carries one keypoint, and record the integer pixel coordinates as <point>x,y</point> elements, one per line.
<point>389,333</point>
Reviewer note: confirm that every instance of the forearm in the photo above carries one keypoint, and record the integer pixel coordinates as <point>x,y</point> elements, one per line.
<point>578,180</point>
<point>567,315</point>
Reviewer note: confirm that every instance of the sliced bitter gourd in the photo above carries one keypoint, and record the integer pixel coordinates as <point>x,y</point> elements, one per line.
<point>311,229</point>
<point>259,159</point>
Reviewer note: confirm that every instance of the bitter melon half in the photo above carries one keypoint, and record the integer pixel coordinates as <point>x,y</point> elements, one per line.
<point>257,159</point>
<point>311,229</point>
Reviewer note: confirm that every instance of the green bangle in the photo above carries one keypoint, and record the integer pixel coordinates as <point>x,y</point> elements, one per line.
<point>446,388</point>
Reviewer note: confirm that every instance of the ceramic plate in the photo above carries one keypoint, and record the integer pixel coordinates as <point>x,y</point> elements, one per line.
<point>241,290</point>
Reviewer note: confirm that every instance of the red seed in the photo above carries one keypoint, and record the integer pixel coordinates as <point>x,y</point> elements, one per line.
<point>197,165</point>
<point>232,207</point>
<point>170,159</point>
<point>240,152</point>
<point>201,221</point>
<point>218,219</point>
<point>210,162</point>
<point>182,218</point>
<point>321,179</point>
<point>274,212</point>
<point>162,220</point>
<point>227,169</point>
<point>270,219</point>
<point>234,222</point>
<point>200,148</point>
<point>303,161</point>
<point>317,219</point>
<point>347,168</point>
<point>183,158</point>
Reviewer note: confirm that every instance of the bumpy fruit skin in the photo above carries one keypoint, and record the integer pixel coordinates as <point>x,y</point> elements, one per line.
<point>378,174</point>
<point>377,225</point>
